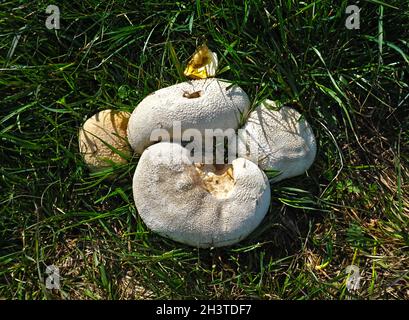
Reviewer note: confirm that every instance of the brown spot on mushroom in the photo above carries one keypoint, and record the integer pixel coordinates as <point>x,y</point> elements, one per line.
<point>192,95</point>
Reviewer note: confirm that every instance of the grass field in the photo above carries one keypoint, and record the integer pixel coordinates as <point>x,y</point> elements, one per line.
<point>351,208</point>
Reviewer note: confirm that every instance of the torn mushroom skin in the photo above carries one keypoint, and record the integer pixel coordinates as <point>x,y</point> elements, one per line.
<point>218,180</point>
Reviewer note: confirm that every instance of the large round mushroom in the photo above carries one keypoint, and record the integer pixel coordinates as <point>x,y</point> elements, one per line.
<point>199,204</point>
<point>279,140</point>
<point>197,104</point>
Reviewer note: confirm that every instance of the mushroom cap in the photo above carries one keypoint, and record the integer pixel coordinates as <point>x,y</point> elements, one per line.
<point>196,204</point>
<point>104,129</point>
<point>284,139</point>
<point>197,104</point>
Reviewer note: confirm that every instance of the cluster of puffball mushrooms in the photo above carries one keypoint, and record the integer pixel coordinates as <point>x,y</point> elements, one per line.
<point>201,204</point>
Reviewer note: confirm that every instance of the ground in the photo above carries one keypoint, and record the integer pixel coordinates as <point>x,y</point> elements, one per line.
<point>350,208</point>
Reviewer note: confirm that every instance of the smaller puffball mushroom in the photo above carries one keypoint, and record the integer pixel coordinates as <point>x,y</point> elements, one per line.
<point>202,205</point>
<point>279,140</point>
<point>102,139</point>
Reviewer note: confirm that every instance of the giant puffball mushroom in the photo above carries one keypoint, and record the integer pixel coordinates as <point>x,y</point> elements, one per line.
<point>278,140</point>
<point>197,104</point>
<point>200,205</point>
<point>102,139</point>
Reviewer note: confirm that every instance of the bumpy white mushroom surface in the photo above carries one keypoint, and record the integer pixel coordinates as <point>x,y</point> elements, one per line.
<point>197,204</point>
<point>104,129</point>
<point>283,139</point>
<point>197,104</point>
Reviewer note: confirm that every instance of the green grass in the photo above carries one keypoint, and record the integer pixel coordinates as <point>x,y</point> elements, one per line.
<point>351,208</point>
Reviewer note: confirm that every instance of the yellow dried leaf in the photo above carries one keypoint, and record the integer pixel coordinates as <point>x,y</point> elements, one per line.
<point>203,64</point>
